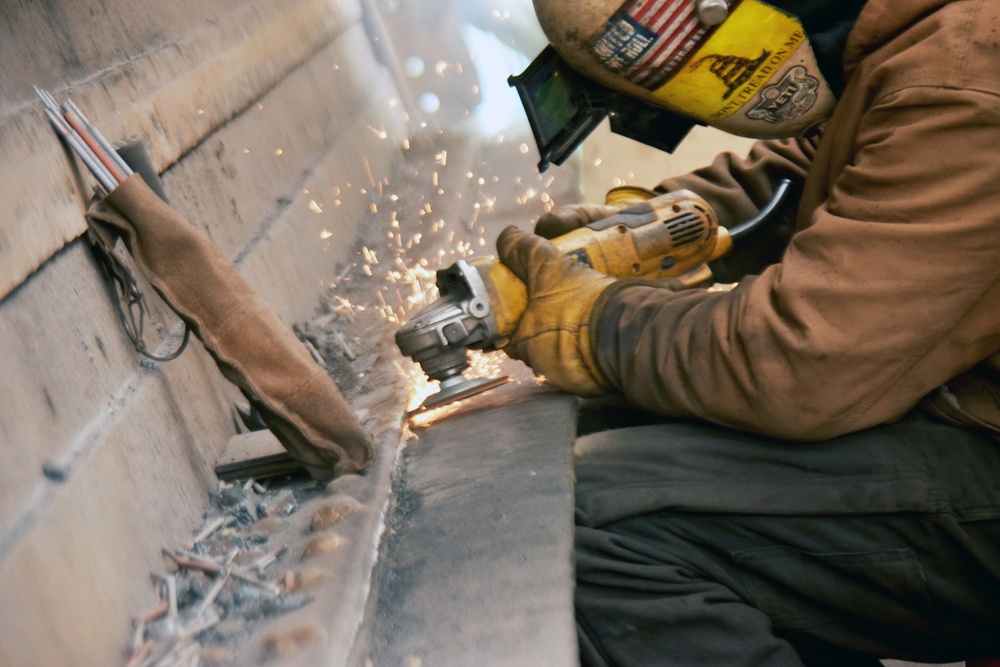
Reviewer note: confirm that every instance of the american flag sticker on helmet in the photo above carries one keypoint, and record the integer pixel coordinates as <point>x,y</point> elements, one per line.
<point>645,41</point>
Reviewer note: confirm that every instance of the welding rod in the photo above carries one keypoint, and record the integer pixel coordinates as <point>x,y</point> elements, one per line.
<point>47,98</point>
<point>112,153</point>
<point>75,142</point>
<point>85,140</point>
<point>81,130</point>
<point>102,175</point>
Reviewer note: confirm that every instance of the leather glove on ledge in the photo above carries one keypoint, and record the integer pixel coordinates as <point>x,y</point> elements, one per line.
<point>554,334</point>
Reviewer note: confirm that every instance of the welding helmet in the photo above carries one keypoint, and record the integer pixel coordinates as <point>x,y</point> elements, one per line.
<point>747,67</point>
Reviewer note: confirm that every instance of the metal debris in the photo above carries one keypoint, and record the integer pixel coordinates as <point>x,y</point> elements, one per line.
<point>281,504</point>
<point>219,578</point>
<point>210,528</point>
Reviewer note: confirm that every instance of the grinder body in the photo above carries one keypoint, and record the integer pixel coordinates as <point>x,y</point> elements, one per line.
<point>672,235</point>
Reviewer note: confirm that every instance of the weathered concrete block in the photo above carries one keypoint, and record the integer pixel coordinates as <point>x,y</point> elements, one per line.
<point>67,368</point>
<point>64,584</point>
<point>321,232</point>
<point>174,88</point>
<point>256,165</point>
<point>61,335</point>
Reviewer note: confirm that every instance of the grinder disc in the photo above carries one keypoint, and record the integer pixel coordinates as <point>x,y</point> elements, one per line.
<point>460,390</point>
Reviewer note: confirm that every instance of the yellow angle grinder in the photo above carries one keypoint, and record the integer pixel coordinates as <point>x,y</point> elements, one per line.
<point>671,235</point>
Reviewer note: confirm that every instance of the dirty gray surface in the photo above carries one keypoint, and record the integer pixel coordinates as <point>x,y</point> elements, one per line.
<point>477,568</point>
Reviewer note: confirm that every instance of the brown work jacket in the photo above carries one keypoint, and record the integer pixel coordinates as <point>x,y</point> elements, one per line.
<point>888,295</point>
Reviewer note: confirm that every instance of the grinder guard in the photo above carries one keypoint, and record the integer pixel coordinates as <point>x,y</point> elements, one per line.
<point>439,336</point>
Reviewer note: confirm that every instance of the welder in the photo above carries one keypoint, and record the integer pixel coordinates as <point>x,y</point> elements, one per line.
<point>816,476</point>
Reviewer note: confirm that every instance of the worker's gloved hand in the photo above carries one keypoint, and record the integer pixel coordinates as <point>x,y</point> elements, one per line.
<point>553,335</point>
<point>573,216</point>
<point>565,219</point>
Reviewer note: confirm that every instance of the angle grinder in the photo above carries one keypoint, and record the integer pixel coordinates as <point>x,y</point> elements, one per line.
<point>670,235</point>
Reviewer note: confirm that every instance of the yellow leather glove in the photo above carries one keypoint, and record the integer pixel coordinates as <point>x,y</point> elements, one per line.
<point>553,335</point>
<point>565,219</point>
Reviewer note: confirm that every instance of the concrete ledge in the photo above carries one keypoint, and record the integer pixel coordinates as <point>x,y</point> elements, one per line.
<point>477,569</point>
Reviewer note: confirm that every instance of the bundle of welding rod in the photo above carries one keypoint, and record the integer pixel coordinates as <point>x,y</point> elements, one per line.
<point>101,158</point>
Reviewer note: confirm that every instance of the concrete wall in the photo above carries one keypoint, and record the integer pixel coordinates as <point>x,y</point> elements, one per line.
<point>273,122</point>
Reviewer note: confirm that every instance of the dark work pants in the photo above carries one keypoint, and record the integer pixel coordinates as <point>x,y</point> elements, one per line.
<point>697,545</point>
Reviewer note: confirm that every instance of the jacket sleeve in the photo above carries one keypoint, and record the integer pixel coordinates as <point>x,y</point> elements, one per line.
<point>736,187</point>
<point>890,290</point>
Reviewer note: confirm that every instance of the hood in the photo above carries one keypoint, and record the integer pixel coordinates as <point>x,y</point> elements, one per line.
<point>880,21</point>
<point>828,24</point>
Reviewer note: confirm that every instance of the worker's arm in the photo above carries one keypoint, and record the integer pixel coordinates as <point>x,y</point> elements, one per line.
<point>737,187</point>
<point>893,289</point>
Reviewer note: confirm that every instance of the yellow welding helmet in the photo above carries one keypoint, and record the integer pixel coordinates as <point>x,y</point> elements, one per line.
<point>744,66</point>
